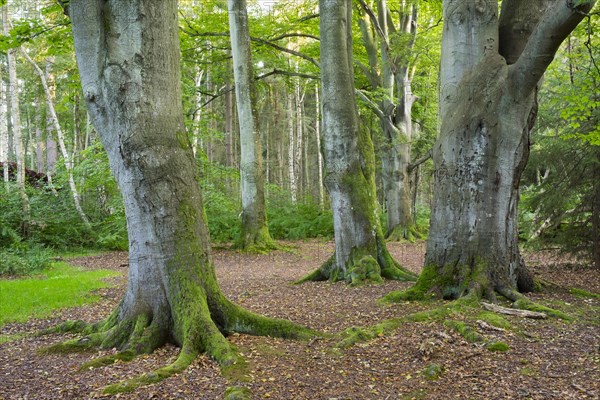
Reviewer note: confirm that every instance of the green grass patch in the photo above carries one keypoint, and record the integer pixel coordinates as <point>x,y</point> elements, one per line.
<point>497,346</point>
<point>10,338</point>
<point>584,293</point>
<point>60,286</point>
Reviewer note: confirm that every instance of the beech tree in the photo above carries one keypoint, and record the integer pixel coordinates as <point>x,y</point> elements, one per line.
<point>392,73</point>
<point>360,249</point>
<point>490,71</point>
<point>255,231</point>
<point>128,58</point>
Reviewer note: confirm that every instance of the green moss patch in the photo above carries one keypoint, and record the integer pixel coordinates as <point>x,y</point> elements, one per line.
<point>584,293</point>
<point>432,372</point>
<point>494,319</point>
<point>497,346</point>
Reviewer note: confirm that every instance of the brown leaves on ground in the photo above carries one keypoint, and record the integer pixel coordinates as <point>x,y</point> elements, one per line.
<point>547,359</point>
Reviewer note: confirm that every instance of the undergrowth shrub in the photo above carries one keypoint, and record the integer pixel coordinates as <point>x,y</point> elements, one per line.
<point>301,220</point>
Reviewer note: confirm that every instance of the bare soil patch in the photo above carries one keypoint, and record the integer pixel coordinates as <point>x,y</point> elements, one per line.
<point>547,359</point>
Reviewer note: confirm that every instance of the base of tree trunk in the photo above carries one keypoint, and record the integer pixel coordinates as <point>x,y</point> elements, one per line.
<point>201,333</point>
<point>471,289</point>
<point>369,264</point>
<point>409,233</point>
<point>259,242</point>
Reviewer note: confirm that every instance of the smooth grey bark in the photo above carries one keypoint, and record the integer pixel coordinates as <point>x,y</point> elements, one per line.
<point>255,231</point>
<point>360,251</point>
<point>128,58</point>
<point>392,74</point>
<point>291,149</point>
<point>53,119</point>
<point>487,108</point>
<point>319,153</point>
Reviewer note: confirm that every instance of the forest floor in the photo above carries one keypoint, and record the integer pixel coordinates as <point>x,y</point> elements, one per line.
<point>547,359</point>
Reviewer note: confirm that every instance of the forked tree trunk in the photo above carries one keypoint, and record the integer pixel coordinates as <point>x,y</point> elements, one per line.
<point>255,234</point>
<point>128,57</point>
<point>361,254</point>
<point>392,75</point>
<point>487,107</point>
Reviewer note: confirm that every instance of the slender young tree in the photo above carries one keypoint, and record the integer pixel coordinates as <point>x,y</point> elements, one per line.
<point>255,234</point>
<point>361,254</point>
<point>128,58</point>
<point>13,92</point>
<point>3,129</point>
<point>489,75</point>
<point>53,118</point>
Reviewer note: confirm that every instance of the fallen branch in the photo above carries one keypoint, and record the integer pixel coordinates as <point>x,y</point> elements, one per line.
<point>511,311</point>
<point>484,325</point>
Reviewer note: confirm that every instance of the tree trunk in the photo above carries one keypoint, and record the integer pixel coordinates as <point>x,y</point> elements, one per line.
<point>68,158</point>
<point>129,67</point>
<point>255,234</point>
<point>4,130</point>
<point>360,250</point>
<point>486,114</point>
<point>319,152</point>
<point>291,149</point>
<point>13,92</point>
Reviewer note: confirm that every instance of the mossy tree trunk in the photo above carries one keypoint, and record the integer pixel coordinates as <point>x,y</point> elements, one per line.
<point>489,76</point>
<point>255,234</point>
<point>360,250</point>
<point>128,58</point>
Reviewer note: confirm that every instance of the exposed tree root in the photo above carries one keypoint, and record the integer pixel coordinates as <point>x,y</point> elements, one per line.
<point>473,291</point>
<point>204,330</point>
<point>364,266</point>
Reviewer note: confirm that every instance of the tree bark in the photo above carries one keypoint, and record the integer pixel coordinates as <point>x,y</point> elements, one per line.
<point>486,115</point>
<point>129,68</point>
<point>255,234</point>
<point>319,152</point>
<point>361,254</point>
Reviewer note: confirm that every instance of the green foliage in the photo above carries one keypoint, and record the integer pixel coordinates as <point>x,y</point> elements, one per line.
<point>561,183</point>
<point>296,221</point>
<point>58,287</point>
<point>23,259</point>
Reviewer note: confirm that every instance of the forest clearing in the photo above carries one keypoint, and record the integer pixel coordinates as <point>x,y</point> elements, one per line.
<point>545,359</point>
<point>300,199</point>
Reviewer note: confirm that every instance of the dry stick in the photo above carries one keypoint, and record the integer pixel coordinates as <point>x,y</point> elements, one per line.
<point>510,311</point>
